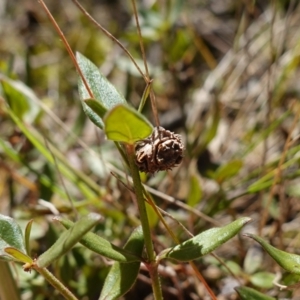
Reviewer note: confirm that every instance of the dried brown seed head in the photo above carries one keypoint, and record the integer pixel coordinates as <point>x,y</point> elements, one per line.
<point>162,150</point>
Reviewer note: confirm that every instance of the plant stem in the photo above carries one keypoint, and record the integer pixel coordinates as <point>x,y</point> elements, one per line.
<point>56,283</point>
<point>152,264</point>
<point>156,286</point>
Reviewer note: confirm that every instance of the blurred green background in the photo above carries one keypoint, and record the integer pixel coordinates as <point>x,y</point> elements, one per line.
<point>226,77</point>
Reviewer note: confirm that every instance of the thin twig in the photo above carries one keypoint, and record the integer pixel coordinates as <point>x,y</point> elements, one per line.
<point>61,34</point>
<point>108,34</point>
<point>226,267</point>
<point>181,204</point>
<point>148,79</point>
<point>201,278</point>
<point>140,38</point>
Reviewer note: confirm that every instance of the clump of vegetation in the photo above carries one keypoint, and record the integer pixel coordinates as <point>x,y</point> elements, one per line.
<point>194,132</point>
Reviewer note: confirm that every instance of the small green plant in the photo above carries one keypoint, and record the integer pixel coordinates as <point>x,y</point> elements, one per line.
<point>146,151</point>
<point>143,148</point>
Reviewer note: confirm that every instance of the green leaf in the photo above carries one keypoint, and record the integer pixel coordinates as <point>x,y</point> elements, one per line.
<point>18,255</point>
<point>16,100</point>
<point>290,278</point>
<point>125,124</point>
<point>253,260</point>
<point>259,186</point>
<point>293,190</point>
<point>121,277</point>
<point>288,261</point>
<point>97,107</point>
<point>195,192</point>
<point>21,99</point>
<point>233,266</point>
<point>68,239</point>
<point>103,91</point>
<point>204,242</point>
<point>10,236</point>
<point>228,170</point>
<point>103,247</point>
<point>144,97</point>
<point>247,293</point>
<point>263,280</point>
<point>27,236</point>
<point>152,215</point>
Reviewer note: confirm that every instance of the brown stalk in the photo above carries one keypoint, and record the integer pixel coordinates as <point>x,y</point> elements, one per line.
<point>62,36</point>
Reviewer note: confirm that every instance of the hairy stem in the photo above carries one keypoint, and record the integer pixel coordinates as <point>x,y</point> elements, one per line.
<point>67,294</point>
<point>152,264</point>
